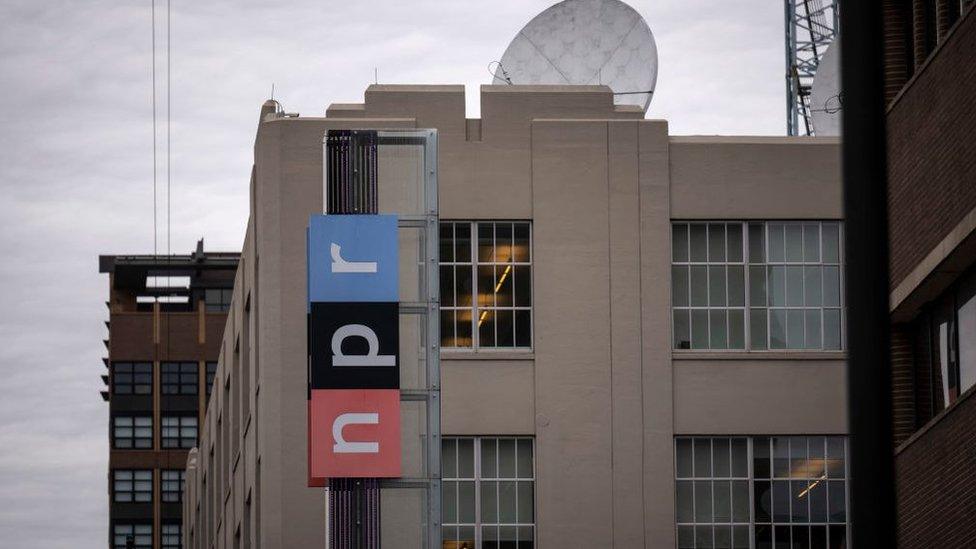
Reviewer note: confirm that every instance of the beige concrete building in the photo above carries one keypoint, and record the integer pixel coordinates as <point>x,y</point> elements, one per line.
<point>663,366</point>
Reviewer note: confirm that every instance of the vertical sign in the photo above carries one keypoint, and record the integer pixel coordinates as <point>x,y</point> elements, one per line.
<point>353,347</point>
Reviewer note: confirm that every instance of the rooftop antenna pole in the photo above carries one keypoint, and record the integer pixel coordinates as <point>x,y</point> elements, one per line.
<point>272,91</point>
<point>376,79</point>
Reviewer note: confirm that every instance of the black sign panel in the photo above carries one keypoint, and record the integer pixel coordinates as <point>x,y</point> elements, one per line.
<point>354,345</point>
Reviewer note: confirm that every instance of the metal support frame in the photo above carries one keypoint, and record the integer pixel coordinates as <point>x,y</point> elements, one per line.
<point>811,26</point>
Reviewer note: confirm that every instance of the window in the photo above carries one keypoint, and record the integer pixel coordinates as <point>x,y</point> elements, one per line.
<point>140,534</point>
<point>179,432</point>
<point>947,346</point>
<point>178,378</point>
<point>488,493</point>
<point>761,492</point>
<point>211,372</point>
<point>130,486</point>
<point>217,300</point>
<point>758,286</point>
<point>132,432</point>
<point>486,284</point>
<point>170,537</point>
<point>132,378</point>
<point>171,485</point>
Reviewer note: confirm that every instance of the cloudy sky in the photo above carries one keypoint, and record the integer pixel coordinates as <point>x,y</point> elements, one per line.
<point>76,168</point>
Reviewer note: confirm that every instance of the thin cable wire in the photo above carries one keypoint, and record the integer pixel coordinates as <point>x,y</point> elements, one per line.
<point>155,231</point>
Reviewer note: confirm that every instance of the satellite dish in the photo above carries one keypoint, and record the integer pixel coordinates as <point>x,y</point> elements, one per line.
<point>825,97</point>
<point>585,42</point>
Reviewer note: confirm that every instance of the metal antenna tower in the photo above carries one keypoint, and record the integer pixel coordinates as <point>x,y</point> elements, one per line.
<point>811,26</point>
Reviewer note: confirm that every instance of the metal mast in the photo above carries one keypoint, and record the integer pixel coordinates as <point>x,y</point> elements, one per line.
<point>811,26</point>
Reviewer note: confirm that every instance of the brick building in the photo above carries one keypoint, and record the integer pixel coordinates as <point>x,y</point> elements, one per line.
<point>930,77</point>
<point>166,320</point>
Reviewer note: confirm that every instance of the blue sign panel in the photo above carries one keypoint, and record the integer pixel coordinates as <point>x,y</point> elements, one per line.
<point>353,258</point>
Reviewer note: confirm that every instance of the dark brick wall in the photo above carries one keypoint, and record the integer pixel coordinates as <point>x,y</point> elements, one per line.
<point>937,482</point>
<point>902,383</point>
<point>932,151</point>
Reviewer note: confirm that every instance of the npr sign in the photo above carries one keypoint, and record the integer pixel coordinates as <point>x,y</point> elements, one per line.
<point>353,347</point>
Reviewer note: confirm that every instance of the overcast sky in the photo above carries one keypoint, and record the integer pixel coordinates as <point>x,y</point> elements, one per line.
<point>76,168</point>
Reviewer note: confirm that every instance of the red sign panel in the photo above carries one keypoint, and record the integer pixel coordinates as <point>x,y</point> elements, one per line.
<point>353,433</point>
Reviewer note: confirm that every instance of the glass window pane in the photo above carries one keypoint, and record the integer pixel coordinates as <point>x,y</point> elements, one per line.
<point>447,328</point>
<point>812,287</point>
<point>777,286</point>
<point>737,334</point>
<point>763,501</point>
<point>522,248</point>
<point>836,501</point>
<point>447,286</point>
<point>486,242</point>
<point>465,292</point>
<point>699,286</point>
<point>684,458</point>
<point>811,243</point>
<point>740,501</point>
<point>831,286</point>
<point>486,328</point>
<point>488,458</point>
<point>737,286</point>
<point>503,242</point>
<point>757,243</point>
<point>794,329</point>
<point>679,242</point>
<point>716,286</point>
<point>722,494</point>
<point>465,501</point>
<point>703,501</point>
<point>838,536</point>
<point>818,501</point>
<point>506,458</point>
<point>794,286</point>
<point>682,329</point>
<point>465,448</point>
<point>686,537</point>
<point>462,242</point>
<point>716,242</point>
<point>721,467</point>
<point>449,499</point>
<point>757,329</point>
<point>525,458</point>
<point>703,537</point>
<point>831,243</point>
<point>794,242</point>
<point>506,502</point>
<point>734,240</point>
<point>699,243</point>
<point>685,501</point>
<point>523,328</point>
<point>447,242</point>
<point>760,458</point>
<point>505,326</point>
<point>777,329</point>
<point>740,537</point>
<point>812,327</point>
<point>740,458</point>
<point>781,501</point>
<point>679,285</point>
<point>699,329</point>
<point>463,335</point>
<point>718,330</point>
<point>523,286</point>
<point>831,329</point>
<point>703,457</point>
<point>801,511</point>
<point>526,503</point>
<point>776,243</point>
<point>489,501</point>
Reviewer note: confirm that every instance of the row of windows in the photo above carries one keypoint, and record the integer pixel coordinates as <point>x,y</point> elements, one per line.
<point>136,432</point>
<point>761,492</point>
<point>140,535</point>
<point>735,285</point>
<point>488,492</point>
<point>136,486</point>
<point>176,378</point>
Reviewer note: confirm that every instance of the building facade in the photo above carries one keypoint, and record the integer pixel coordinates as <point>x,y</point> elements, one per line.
<point>166,318</point>
<point>932,206</point>
<point>641,333</point>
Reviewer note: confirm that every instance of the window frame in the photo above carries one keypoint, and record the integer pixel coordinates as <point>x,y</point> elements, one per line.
<point>179,387</point>
<point>752,479</point>
<point>475,308</point>
<point>766,264</point>
<point>180,439</point>
<point>478,479</point>
<point>131,387</point>
<point>165,536</point>
<point>118,476</point>
<point>143,529</point>
<point>133,427</point>
<point>210,373</point>
<point>166,495</point>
